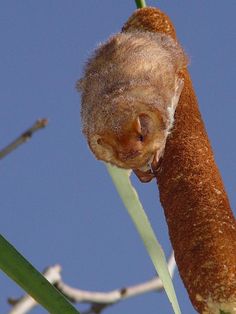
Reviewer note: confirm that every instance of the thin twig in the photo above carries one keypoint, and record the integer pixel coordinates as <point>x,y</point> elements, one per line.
<point>101,300</point>
<point>24,137</point>
<point>97,300</point>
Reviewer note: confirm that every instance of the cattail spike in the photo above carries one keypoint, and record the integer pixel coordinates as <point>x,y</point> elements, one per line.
<point>201,224</point>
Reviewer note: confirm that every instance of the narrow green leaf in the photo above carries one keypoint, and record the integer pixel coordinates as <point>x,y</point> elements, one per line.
<point>26,276</point>
<point>129,196</point>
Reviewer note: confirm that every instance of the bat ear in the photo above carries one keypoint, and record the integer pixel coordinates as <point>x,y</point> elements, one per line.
<point>143,124</point>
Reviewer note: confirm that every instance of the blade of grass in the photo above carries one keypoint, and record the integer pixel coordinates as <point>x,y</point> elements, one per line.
<point>129,196</point>
<point>26,276</point>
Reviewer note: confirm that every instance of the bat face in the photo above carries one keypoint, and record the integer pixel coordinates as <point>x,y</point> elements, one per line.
<point>133,148</point>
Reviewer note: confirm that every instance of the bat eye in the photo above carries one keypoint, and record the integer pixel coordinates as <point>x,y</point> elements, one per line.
<point>140,138</point>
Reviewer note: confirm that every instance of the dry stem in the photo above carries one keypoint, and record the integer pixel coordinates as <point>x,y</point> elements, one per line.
<point>24,137</point>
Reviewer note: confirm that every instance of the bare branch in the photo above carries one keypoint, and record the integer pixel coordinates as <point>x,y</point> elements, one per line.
<point>24,137</point>
<point>114,296</point>
<point>97,300</point>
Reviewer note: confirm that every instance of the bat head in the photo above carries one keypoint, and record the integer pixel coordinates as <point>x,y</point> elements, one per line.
<point>135,146</point>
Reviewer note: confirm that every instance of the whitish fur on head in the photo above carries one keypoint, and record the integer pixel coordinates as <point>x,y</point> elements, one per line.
<point>130,75</point>
<point>142,61</point>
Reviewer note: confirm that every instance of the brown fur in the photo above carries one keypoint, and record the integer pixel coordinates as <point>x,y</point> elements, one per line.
<point>131,76</point>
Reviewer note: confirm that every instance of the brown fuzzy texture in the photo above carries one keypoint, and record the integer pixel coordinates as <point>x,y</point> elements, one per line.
<point>130,89</point>
<point>201,224</point>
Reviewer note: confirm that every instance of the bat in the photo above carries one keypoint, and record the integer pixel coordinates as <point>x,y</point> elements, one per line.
<point>129,92</point>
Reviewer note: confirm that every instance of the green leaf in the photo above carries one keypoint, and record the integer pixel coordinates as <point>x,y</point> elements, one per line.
<point>26,276</point>
<point>129,196</point>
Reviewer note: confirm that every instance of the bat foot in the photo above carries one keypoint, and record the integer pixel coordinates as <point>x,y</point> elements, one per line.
<point>144,176</point>
<point>148,175</point>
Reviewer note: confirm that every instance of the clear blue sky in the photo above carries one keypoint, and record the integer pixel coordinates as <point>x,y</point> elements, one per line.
<point>57,202</point>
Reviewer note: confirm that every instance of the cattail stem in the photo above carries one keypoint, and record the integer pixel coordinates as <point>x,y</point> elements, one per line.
<point>201,225</point>
<point>140,4</point>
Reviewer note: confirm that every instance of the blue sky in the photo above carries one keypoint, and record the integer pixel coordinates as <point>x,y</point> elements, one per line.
<point>58,204</point>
